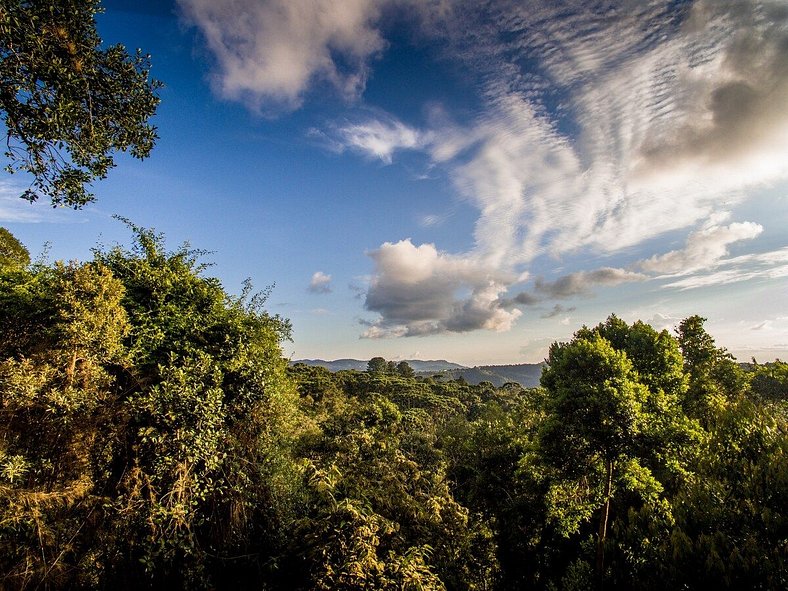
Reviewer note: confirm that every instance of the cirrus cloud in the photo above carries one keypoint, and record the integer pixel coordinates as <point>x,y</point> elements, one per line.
<point>704,247</point>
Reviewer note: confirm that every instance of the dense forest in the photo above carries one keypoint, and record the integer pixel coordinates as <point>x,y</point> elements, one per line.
<point>152,435</point>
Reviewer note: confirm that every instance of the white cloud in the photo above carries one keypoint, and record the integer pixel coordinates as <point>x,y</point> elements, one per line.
<point>418,290</point>
<point>15,210</point>
<point>320,283</point>
<point>767,265</point>
<point>668,123</point>
<point>379,137</point>
<point>269,53</point>
<point>630,120</point>
<point>703,249</point>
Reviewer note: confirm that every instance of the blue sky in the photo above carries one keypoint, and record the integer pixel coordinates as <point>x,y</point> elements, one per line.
<point>461,180</point>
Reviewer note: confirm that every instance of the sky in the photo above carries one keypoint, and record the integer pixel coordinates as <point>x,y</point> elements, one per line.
<point>470,181</point>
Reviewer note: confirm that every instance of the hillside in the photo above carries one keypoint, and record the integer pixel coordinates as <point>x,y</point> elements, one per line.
<point>525,374</point>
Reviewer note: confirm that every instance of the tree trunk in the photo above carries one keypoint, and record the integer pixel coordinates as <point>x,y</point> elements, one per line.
<point>72,366</point>
<point>600,544</point>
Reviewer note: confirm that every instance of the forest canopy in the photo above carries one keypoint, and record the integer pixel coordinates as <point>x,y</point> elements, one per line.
<point>152,435</point>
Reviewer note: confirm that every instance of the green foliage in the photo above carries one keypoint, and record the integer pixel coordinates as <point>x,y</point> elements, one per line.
<point>405,370</point>
<point>714,378</point>
<point>152,435</point>
<point>68,105</point>
<point>731,524</point>
<point>12,252</point>
<point>377,365</point>
<point>381,503</point>
<point>769,381</point>
<point>147,424</point>
<point>613,399</point>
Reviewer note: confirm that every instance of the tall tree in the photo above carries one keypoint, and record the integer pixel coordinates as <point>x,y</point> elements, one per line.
<point>593,408</point>
<point>405,370</point>
<point>68,104</point>
<point>615,436</point>
<point>377,365</point>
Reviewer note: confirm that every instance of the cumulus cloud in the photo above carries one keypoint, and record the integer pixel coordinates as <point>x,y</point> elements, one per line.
<point>320,283</point>
<point>703,249</point>
<point>581,282</point>
<point>418,290</point>
<point>268,53</point>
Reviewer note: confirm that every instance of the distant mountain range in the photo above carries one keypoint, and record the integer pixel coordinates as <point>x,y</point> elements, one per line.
<point>359,365</point>
<point>525,374</point>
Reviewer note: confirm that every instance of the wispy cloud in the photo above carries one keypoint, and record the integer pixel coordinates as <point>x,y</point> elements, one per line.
<point>627,121</point>
<point>657,127</point>
<point>378,137</point>
<point>558,310</point>
<point>18,211</point>
<point>703,248</point>
<point>581,282</point>
<point>320,283</point>
<point>767,265</point>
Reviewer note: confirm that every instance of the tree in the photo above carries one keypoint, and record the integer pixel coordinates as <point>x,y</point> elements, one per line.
<point>146,424</point>
<point>615,433</point>
<point>715,379</point>
<point>377,365</point>
<point>405,370</point>
<point>68,104</point>
<point>12,252</point>
<point>769,381</point>
<point>593,408</point>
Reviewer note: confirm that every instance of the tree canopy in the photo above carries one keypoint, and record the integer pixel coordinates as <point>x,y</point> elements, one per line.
<point>69,103</point>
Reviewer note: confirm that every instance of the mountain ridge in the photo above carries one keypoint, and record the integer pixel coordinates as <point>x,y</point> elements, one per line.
<point>525,374</point>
